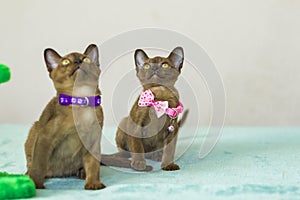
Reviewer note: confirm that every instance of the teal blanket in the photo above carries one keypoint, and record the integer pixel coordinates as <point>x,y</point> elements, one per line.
<point>246,163</point>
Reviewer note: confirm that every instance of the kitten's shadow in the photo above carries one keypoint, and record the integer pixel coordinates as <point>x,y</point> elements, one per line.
<point>70,183</point>
<point>107,173</point>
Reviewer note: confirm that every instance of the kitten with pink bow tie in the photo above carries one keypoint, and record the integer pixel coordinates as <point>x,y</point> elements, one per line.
<point>151,129</point>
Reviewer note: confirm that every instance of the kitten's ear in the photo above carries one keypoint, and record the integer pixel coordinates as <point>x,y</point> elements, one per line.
<point>93,53</point>
<point>176,57</point>
<point>52,59</point>
<point>140,58</point>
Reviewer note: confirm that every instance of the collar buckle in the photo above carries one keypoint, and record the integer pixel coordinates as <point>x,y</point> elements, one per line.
<point>87,102</point>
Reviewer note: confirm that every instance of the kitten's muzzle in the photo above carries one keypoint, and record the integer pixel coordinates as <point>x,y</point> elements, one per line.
<point>155,73</point>
<point>76,68</point>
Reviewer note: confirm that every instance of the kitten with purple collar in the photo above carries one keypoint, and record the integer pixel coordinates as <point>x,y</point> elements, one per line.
<point>151,129</point>
<point>56,146</point>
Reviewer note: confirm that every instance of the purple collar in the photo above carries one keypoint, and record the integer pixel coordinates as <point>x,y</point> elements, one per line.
<point>90,101</point>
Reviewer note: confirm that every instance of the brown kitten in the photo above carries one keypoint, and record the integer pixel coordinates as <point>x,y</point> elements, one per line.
<point>143,134</point>
<point>65,141</point>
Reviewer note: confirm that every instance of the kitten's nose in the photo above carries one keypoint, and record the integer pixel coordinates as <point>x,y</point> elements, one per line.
<point>77,61</point>
<point>154,68</point>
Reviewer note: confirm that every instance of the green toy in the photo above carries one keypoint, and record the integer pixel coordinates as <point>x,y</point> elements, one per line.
<point>14,186</point>
<point>4,73</point>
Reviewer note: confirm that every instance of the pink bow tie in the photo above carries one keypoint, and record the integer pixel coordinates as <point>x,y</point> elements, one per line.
<point>147,99</point>
<point>161,107</point>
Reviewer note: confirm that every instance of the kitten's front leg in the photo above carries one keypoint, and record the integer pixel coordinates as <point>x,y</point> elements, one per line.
<point>92,168</point>
<point>136,149</point>
<point>169,151</point>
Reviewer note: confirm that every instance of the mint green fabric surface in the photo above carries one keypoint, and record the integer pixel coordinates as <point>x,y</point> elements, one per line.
<point>246,163</point>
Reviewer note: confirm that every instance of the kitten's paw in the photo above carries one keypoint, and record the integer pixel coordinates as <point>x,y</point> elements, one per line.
<point>38,182</point>
<point>94,186</point>
<point>81,174</point>
<point>171,167</point>
<point>139,165</point>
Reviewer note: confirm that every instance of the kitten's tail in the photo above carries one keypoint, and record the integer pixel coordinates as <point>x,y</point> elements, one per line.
<point>183,118</point>
<point>115,160</point>
<point>119,160</point>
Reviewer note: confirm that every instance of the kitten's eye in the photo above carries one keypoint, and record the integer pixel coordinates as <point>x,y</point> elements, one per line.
<point>165,65</point>
<point>146,66</point>
<point>87,60</point>
<point>65,62</point>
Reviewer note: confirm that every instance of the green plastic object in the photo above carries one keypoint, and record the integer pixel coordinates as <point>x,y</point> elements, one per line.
<point>14,186</point>
<point>4,73</point>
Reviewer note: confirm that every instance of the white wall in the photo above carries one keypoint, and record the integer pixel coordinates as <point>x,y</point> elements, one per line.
<point>254,44</point>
